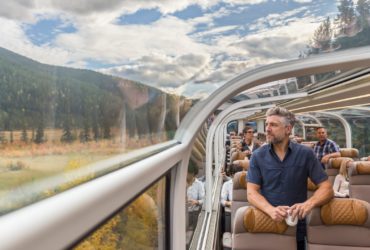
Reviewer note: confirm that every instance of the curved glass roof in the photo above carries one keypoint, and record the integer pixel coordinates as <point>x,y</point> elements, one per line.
<point>185,47</point>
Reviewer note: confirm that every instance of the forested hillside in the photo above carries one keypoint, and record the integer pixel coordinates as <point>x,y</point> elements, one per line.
<point>85,104</point>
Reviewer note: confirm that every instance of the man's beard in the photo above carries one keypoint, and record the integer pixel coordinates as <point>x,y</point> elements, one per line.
<point>275,139</point>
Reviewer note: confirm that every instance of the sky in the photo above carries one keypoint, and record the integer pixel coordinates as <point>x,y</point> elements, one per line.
<point>190,47</point>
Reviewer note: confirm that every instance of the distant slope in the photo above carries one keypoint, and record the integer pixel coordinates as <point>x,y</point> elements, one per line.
<point>35,96</point>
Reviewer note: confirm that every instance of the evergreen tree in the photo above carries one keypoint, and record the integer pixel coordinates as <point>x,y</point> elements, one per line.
<point>363,10</point>
<point>346,17</point>
<point>322,39</point>
<point>40,133</point>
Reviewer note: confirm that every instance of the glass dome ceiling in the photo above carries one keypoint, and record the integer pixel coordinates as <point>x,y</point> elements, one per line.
<point>185,47</point>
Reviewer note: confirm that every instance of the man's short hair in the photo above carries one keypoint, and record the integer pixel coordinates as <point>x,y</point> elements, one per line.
<point>283,112</point>
<point>246,128</point>
<point>321,127</point>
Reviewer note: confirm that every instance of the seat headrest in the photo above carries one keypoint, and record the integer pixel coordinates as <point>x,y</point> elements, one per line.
<point>345,212</point>
<point>363,167</point>
<point>336,162</point>
<point>239,181</point>
<point>238,156</point>
<point>308,144</point>
<point>349,152</point>
<point>243,163</point>
<point>256,221</point>
<point>310,185</point>
<point>235,137</point>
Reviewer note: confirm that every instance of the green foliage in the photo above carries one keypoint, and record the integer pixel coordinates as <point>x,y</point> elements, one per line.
<point>322,39</point>
<point>85,104</point>
<point>349,29</point>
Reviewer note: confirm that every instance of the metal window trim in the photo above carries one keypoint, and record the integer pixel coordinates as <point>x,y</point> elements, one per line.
<point>67,216</point>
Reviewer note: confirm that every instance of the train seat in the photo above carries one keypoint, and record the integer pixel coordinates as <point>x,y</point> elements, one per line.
<point>254,229</point>
<point>359,180</point>
<point>311,188</point>
<point>349,152</point>
<point>308,144</point>
<point>239,193</point>
<point>333,166</point>
<point>237,156</point>
<point>340,224</point>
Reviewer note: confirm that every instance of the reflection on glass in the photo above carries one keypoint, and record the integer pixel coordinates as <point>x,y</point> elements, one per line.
<point>361,134</point>
<point>194,199</point>
<point>311,134</point>
<point>54,120</point>
<point>141,225</point>
<point>298,130</point>
<point>195,183</point>
<point>306,119</point>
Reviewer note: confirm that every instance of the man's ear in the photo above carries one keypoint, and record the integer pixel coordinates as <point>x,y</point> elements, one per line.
<point>289,129</point>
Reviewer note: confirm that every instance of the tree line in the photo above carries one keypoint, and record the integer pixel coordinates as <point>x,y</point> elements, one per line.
<point>35,96</point>
<point>349,28</point>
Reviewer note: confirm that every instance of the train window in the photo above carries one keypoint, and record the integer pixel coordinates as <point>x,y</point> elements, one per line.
<point>298,130</point>
<point>195,184</point>
<point>335,130</point>
<point>307,119</point>
<point>140,225</point>
<point>232,127</point>
<point>70,119</point>
<point>359,117</point>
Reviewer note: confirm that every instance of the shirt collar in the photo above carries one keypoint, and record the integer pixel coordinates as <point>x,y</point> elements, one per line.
<point>290,145</point>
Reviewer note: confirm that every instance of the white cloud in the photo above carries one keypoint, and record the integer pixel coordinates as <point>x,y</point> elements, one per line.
<point>279,43</point>
<point>302,1</point>
<point>160,70</point>
<point>18,42</point>
<point>162,53</point>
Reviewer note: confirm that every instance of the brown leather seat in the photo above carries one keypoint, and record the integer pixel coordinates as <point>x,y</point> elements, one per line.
<point>349,152</point>
<point>311,188</point>
<point>340,224</point>
<point>359,180</point>
<point>254,230</point>
<point>239,193</point>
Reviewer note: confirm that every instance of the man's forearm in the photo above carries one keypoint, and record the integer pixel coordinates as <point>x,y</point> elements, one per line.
<point>322,195</point>
<point>257,200</point>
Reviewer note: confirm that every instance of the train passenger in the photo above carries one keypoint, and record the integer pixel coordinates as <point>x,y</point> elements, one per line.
<point>227,193</point>
<point>341,183</point>
<point>195,194</point>
<point>278,173</point>
<point>227,187</point>
<point>325,148</point>
<point>249,143</point>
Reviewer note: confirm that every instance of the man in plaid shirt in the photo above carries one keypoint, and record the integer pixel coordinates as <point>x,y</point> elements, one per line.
<point>325,148</point>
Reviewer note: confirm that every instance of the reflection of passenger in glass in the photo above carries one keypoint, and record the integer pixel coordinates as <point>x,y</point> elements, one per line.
<point>195,194</point>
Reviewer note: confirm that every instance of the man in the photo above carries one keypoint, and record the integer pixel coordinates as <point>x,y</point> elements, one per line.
<point>325,148</point>
<point>249,144</point>
<point>278,172</point>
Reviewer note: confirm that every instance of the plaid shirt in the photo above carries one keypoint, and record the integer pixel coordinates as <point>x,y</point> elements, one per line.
<point>328,147</point>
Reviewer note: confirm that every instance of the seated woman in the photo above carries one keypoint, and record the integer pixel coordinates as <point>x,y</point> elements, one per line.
<point>341,183</point>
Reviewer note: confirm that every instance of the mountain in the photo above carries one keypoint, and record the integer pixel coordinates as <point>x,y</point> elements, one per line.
<point>36,96</point>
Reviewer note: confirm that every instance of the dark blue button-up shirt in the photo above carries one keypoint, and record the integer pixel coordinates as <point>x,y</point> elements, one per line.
<point>285,182</point>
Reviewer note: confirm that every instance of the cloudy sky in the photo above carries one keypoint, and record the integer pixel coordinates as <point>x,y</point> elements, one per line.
<point>191,46</point>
